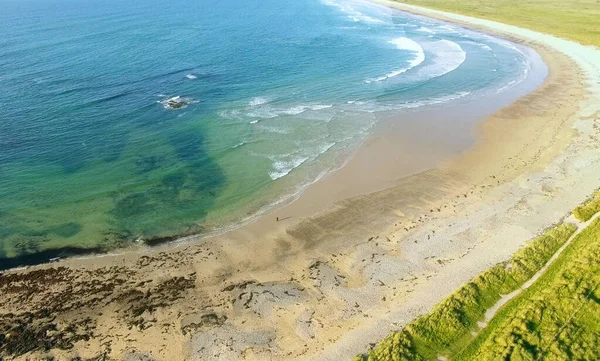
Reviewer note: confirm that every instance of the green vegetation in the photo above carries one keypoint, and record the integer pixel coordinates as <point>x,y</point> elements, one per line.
<point>571,19</point>
<point>447,329</point>
<point>557,318</point>
<point>587,211</point>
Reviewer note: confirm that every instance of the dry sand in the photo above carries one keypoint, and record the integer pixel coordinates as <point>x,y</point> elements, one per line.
<point>325,287</point>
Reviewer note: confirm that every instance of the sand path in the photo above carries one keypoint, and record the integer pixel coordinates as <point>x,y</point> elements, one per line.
<point>491,312</point>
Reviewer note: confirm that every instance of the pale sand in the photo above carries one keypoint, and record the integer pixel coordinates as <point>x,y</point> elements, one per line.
<point>326,287</point>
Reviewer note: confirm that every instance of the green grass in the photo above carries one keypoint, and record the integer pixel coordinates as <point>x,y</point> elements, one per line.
<point>572,19</point>
<point>447,329</point>
<point>588,209</point>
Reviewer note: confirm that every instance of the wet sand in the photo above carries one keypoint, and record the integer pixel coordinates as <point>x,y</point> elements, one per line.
<point>402,144</point>
<point>326,286</point>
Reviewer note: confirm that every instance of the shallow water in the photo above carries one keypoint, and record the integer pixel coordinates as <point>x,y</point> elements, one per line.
<point>274,91</point>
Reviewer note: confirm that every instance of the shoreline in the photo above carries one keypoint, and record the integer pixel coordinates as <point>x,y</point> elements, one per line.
<point>532,187</point>
<point>393,147</point>
<point>373,266</point>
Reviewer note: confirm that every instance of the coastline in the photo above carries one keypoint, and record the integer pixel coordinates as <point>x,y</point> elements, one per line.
<point>319,257</point>
<point>403,143</point>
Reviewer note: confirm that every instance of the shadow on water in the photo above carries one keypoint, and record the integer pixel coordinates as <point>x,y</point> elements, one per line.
<point>2,252</point>
<point>28,243</point>
<point>112,151</point>
<point>45,256</point>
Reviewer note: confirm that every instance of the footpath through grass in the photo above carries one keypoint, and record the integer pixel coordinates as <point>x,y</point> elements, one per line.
<point>557,318</point>
<point>447,330</point>
<point>577,20</point>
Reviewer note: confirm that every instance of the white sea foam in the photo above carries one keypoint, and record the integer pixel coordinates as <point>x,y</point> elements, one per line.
<point>262,113</point>
<point>449,29</point>
<point>403,43</point>
<point>262,108</point>
<point>285,163</point>
<point>176,102</point>
<point>514,82</point>
<point>277,130</point>
<point>484,46</point>
<point>358,17</point>
<point>425,30</point>
<point>325,148</point>
<point>487,47</point>
<point>508,85</point>
<point>239,145</point>
<point>299,109</point>
<point>526,68</point>
<point>372,106</point>
<point>447,57</point>
<point>352,13</point>
<point>440,100</point>
<point>231,114</point>
<point>281,168</point>
<point>266,111</point>
<point>258,101</point>
<point>407,44</point>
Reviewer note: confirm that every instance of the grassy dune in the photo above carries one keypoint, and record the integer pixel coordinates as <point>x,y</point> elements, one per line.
<point>557,318</point>
<point>572,19</point>
<point>588,209</point>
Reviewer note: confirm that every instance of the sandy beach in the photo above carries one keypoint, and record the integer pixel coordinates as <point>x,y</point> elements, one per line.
<point>328,285</point>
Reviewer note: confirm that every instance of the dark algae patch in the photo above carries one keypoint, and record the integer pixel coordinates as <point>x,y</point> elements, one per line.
<point>43,256</point>
<point>63,306</point>
<point>88,203</point>
<point>66,230</point>
<point>146,164</point>
<point>180,198</point>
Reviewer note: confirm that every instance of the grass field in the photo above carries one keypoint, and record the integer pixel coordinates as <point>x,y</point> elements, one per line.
<point>572,19</point>
<point>588,209</point>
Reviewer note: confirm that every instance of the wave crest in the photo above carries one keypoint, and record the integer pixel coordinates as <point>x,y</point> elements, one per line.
<point>352,13</point>
<point>285,163</point>
<point>406,44</point>
<point>447,57</point>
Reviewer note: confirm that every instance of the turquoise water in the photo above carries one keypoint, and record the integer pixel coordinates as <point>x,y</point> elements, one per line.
<point>273,92</point>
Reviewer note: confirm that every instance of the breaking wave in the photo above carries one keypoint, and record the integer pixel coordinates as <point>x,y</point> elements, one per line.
<point>447,56</point>
<point>286,163</point>
<point>406,44</point>
<point>352,13</point>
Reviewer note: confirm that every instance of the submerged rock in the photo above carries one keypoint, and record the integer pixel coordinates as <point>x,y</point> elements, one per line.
<point>175,103</point>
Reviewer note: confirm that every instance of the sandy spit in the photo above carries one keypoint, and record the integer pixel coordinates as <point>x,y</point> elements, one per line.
<point>325,287</point>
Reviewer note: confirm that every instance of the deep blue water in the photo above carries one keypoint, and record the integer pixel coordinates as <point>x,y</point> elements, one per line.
<point>275,91</point>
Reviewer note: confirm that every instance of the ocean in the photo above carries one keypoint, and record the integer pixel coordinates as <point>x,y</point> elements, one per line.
<point>147,120</point>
